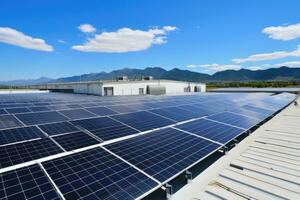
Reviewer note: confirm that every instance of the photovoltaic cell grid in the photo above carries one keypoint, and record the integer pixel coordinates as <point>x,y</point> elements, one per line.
<point>212,130</point>
<point>58,128</point>
<point>26,183</point>
<point>235,120</point>
<point>27,151</point>
<point>143,120</point>
<point>163,153</point>
<point>77,113</point>
<point>41,117</point>
<point>97,174</point>
<point>105,128</point>
<point>197,105</point>
<point>72,141</point>
<point>19,134</point>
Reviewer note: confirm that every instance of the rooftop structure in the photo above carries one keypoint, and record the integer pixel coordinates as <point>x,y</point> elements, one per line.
<point>263,166</point>
<point>70,146</point>
<point>124,86</point>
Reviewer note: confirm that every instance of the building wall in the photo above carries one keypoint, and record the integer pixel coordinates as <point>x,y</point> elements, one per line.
<point>123,88</point>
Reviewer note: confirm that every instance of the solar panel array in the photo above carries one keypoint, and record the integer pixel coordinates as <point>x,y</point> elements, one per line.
<point>67,146</point>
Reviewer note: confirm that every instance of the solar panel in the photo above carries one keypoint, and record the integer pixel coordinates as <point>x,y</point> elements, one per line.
<point>259,110</point>
<point>249,113</point>
<point>175,113</point>
<point>26,183</point>
<point>212,130</point>
<point>23,152</point>
<point>76,140</point>
<point>235,120</point>
<point>105,128</point>
<point>19,134</point>
<point>77,113</point>
<point>38,108</point>
<point>128,108</point>
<point>2,112</point>
<point>101,111</point>
<point>97,174</point>
<point>17,110</point>
<point>163,153</point>
<point>199,111</point>
<point>143,120</point>
<point>9,121</point>
<point>58,128</point>
<point>41,117</point>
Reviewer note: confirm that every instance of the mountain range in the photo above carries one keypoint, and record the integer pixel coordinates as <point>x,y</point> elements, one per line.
<point>273,74</point>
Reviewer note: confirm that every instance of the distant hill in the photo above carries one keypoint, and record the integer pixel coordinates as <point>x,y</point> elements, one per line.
<point>272,74</point>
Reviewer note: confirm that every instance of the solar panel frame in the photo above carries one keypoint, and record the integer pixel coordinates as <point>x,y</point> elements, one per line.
<point>77,113</point>
<point>9,121</point>
<point>38,108</point>
<point>75,140</point>
<point>143,120</point>
<point>26,183</point>
<point>175,113</point>
<point>163,153</point>
<point>41,117</point>
<point>17,110</point>
<point>211,130</point>
<point>3,112</point>
<point>105,128</point>
<point>9,136</point>
<point>101,111</point>
<point>27,151</point>
<point>58,128</point>
<point>97,174</point>
<point>235,120</point>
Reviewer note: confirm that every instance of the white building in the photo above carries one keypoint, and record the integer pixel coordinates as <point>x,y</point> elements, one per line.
<point>124,86</point>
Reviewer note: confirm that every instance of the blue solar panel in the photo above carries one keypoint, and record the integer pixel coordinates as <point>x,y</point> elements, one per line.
<point>259,110</point>
<point>28,183</point>
<point>9,121</point>
<point>26,151</point>
<point>249,113</point>
<point>58,128</point>
<point>212,130</point>
<point>17,110</point>
<point>41,117</point>
<point>2,112</point>
<point>101,111</point>
<point>235,120</point>
<point>163,153</point>
<point>19,134</point>
<point>97,174</point>
<point>105,128</point>
<point>38,108</point>
<point>175,113</point>
<point>129,108</point>
<point>77,113</point>
<point>143,120</point>
<point>199,111</point>
<point>76,140</point>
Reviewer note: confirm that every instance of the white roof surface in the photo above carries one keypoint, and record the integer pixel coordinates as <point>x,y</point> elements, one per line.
<point>267,165</point>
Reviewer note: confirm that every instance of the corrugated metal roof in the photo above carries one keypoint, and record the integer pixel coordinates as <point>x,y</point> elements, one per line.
<point>266,165</point>
<point>270,89</point>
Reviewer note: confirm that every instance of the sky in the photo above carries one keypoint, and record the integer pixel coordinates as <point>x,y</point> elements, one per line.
<point>55,38</point>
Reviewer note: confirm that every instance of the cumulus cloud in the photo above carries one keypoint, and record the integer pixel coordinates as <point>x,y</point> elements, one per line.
<point>61,41</point>
<point>125,40</point>
<point>283,33</point>
<point>192,66</point>
<point>255,68</point>
<point>218,67</point>
<point>295,64</point>
<point>17,38</point>
<point>269,56</point>
<point>86,28</point>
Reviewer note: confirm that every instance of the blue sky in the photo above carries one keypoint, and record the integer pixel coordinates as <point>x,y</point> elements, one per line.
<point>62,38</point>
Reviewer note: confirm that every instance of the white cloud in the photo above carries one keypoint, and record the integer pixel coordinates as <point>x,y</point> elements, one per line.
<point>269,56</point>
<point>284,33</point>
<point>191,66</point>
<point>86,28</point>
<point>218,67</point>
<point>14,37</point>
<point>125,40</point>
<point>61,41</point>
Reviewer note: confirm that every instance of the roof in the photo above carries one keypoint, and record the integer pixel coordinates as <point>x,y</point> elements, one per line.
<point>241,89</point>
<point>265,165</point>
